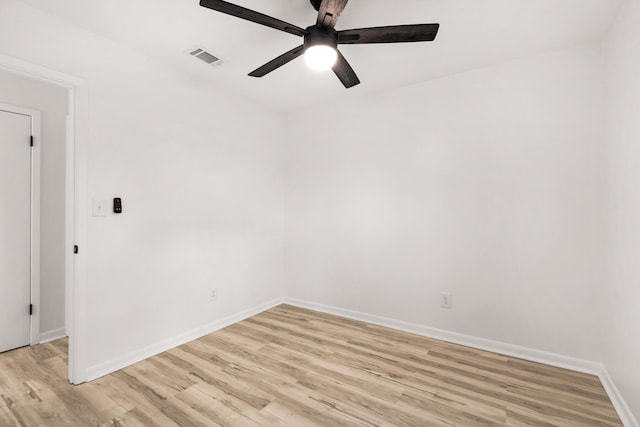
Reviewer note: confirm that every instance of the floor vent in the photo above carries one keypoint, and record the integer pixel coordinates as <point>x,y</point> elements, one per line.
<point>205,56</point>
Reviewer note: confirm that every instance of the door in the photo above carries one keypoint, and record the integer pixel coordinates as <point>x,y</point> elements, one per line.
<point>15,230</point>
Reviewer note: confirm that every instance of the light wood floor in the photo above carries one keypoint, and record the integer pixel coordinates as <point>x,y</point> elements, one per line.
<point>290,366</point>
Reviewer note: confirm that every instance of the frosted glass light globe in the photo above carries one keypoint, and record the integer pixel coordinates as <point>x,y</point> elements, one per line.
<point>320,57</point>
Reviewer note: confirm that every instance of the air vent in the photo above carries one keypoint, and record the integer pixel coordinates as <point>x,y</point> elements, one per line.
<point>205,56</point>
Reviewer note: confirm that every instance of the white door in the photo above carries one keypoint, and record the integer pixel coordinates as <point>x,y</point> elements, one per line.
<point>15,230</point>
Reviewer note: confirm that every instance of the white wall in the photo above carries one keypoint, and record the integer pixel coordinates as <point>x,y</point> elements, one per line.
<point>622,342</point>
<point>51,101</point>
<point>485,184</point>
<point>200,177</point>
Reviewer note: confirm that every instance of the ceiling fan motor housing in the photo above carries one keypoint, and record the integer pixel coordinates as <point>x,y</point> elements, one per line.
<point>315,36</point>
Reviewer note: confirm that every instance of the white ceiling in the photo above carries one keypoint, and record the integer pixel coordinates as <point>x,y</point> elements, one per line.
<point>472,34</point>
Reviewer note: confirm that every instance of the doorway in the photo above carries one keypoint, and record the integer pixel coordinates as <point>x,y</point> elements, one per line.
<point>74,199</point>
<point>19,227</point>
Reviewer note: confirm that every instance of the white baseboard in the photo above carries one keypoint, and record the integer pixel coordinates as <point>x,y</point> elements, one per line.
<point>552,359</point>
<point>117,363</point>
<point>624,412</point>
<point>52,335</point>
<point>525,353</point>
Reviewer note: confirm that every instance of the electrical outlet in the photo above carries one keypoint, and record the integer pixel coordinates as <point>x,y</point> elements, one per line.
<point>445,300</point>
<point>213,295</point>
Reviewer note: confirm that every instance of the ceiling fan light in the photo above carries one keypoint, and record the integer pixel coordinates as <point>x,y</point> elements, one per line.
<point>320,57</point>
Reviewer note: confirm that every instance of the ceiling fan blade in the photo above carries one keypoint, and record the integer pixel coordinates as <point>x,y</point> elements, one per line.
<point>345,73</point>
<point>329,12</point>
<point>253,16</point>
<point>278,62</point>
<point>390,34</point>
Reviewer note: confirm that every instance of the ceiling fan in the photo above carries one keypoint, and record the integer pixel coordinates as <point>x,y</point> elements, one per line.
<point>321,40</point>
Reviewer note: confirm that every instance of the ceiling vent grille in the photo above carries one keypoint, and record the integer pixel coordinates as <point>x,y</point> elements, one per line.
<point>205,56</point>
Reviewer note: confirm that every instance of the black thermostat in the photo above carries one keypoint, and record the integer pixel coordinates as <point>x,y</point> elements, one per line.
<point>117,205</point>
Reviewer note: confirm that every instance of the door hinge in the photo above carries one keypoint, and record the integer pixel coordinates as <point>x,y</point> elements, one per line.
<point>30,309</point>
<point>31,140</point>
<point>75,249</point>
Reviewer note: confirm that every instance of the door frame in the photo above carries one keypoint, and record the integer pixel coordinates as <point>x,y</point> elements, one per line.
<point>34,229</point>
<point>76,214</point>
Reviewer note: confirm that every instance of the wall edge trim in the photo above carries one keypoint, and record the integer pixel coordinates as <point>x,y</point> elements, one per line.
<point>52,335</point>
<point>623,410</point>
<point>530,354</point>
<point>110,366</point>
